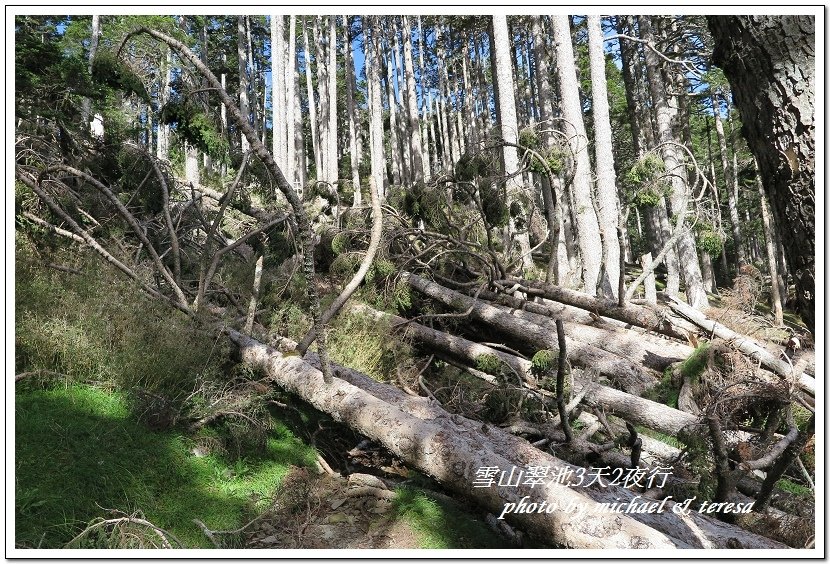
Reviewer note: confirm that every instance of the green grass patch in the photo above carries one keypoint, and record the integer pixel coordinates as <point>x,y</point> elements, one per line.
<point>794,488</point>
<point>440,525</point>
<point>694,366</point>
<point>79,453</point>
<point>662,437</point>
<point>367,345</point>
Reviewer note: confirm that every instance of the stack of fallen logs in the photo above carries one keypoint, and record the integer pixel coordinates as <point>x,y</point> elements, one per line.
<point>534,490</point>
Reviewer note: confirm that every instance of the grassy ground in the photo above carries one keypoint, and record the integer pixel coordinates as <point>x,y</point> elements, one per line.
<point>79,453</point>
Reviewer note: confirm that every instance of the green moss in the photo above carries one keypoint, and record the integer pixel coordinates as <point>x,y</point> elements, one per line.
<point>664,392</point>
<point>496,212</point>
<point>489,363</point>
<point>544,362</point>
<point>369,346</point>
<point>195,126</point>
<point>694,366</point>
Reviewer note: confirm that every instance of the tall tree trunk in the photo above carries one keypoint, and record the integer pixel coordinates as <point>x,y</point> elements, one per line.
<point>775,292</point>
<point>395,157</point>
<point>278,133</point>
<point>508,124</point>
<point>770,63</point>
<point>163,139</point>
<point>242,59</point>
<point>607,199</point>
<point>590,245</point>
<point>729,176</point>
<point>95,34</point>
<point>443,100</point>
<point>469,97</point>
<point>322,92</point>
<point>675,166</point>
<point>350,109</point>
<point>375,105</point>
<point>291,129</point>
<point>312,104</point>
<point>635,110</point>
<point>331,75</point>
<point>426,98</point>
<point>414,128</point>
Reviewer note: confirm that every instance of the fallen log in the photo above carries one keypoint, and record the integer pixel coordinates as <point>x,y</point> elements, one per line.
<point>743,344</point>
<point>648,350</point>
<point>657,319</point>
<point>453,450</point>
<point>624,373</point>
<point>638,410</point>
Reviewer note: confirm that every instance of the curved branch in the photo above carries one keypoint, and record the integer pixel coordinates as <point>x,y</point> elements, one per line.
<point>351,287</point>
<point>130,219</point>
<point>90,240</point>
<point>303,223</point>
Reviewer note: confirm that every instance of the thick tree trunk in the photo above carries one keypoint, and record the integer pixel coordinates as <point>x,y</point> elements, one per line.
<point>331,91</point>
<point>509,127</point>
<point>372,62</point>
<point>648,350</point>
<point>278,129</point>
<point>453,450</point>
<point>587,225</point>
<point>607,200</point>
<point>638,410</point>
<point>770,63</point>
<point>629,376</point>
<point>657,319</point>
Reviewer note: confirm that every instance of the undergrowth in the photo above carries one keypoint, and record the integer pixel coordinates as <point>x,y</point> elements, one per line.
<point>80,454</point>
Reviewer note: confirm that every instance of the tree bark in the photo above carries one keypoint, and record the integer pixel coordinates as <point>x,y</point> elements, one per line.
<point>657,319</point>
<point>292,132</point>
<point>312,103</point>
<point>509,127</point>
<point>278,130</point>
<point>453,449</point>
<point>372,62</point>
<point>770,63</point>
<point>350,108</point>
<point>331,75</point>
<point>638,410</point>
<point>729,173</point>
<point>587,225</point>
<point>626,374</point>
<point>414,127</point>
<point>607,200</point>
<point>242,60</point>
<point>650,351</point>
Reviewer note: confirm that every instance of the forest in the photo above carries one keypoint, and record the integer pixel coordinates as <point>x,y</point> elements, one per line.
<point>417,281</point>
